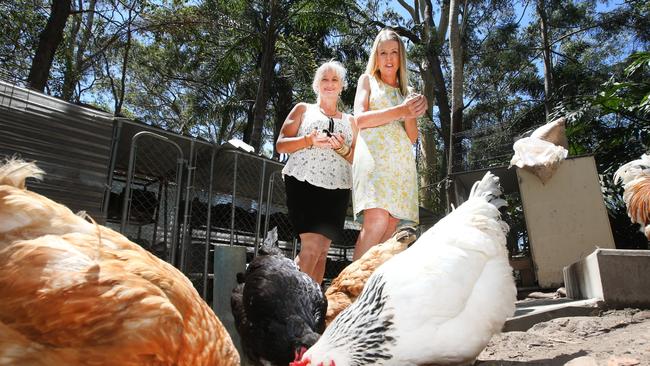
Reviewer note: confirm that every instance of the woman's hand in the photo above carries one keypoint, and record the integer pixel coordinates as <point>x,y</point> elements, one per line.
<point>339,146</point>
<point>336,140</point>
<point>319,139</point>
<point>414,105</point>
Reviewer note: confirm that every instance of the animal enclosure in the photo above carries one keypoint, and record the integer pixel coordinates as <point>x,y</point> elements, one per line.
<point>176,196</point>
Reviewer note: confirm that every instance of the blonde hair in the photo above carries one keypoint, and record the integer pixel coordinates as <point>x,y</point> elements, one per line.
<point>388,34</point>
<point>335,66</point>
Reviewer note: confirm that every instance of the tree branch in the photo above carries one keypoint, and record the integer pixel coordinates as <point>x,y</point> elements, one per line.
<point>408,8</point>
<point>444,22</point>
<point>404,32</point>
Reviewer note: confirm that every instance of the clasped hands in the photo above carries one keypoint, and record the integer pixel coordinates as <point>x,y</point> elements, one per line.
<point>334,141</point>
<point>414,105</point>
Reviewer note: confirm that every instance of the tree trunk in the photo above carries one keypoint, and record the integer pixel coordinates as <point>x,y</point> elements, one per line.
<point>548,62</point>
<point>428,146</point>
<point>250,121</point>
<point>283,104</point>
<point>77,67</point>
<point>431,39</point>
<point>67,90</point>
<point>456,52</point>
<point>440,92</point>
<point>266,74</point>
<point>119,98</point>
<point>49,40</point>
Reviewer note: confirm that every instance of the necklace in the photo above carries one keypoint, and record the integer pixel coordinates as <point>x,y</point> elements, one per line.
<point>330,115</point>
<point>330,128</point>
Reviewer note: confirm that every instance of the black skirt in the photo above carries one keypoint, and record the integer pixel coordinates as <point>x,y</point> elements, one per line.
<point>315,209</point>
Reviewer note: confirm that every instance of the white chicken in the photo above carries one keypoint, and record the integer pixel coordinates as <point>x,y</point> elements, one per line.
<point>635,176</point>
<point>542,152</point>
<point>438,302</point>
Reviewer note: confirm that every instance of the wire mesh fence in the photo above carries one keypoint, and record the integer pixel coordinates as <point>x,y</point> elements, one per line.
<point>144,199</point>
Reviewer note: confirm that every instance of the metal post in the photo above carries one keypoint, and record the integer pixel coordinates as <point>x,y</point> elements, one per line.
<point>259,209</point>
<point>208,227</point>
<point>177,199</point>
<point>191,161</point>
<point>234,200</point>
<point>117,128</point>
<point>126,205</point>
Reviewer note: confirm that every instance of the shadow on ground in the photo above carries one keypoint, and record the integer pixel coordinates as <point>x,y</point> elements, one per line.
<point>555,361</point>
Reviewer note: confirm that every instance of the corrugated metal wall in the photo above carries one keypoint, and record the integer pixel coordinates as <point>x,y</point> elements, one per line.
<point>71,143</point>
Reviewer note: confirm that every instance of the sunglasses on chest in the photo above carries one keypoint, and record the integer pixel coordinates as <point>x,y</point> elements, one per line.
<point>330,128</point>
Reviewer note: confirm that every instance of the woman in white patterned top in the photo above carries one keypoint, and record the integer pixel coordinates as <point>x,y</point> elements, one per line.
<point>318,177</point>
<point>385,177</point>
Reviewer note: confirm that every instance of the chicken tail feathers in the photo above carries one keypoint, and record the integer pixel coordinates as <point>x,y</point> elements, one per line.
<point>489,189</point>
<point>270,244</point>
<point>633,170</point>
<point>14,172</point>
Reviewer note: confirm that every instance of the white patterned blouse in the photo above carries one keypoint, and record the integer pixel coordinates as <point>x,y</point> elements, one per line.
<point>321,167</point>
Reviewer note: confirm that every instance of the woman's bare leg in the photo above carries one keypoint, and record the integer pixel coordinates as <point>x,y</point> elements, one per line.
<point>375,224</point>
<point>390,229</point>
<point>319,269</point>
<point>311,249</point>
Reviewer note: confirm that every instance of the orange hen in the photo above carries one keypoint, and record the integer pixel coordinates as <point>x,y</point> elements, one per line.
<point>635,176</point>
<point>347,286</point>
<point>76,293</point>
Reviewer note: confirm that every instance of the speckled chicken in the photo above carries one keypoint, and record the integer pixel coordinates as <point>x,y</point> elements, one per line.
<point>347,286</point>
<point>77,293</point>
<point>635,176</point>
<point>438,302</point>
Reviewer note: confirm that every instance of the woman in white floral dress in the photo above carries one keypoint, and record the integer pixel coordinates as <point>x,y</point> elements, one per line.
<point>384,174</point>
<point>318,175</point>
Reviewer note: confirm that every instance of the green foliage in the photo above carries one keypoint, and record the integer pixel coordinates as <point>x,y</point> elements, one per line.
<point>632,96</point>
<point>20,24</point>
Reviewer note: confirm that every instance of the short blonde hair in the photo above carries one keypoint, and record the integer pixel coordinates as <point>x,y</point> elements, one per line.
<point>333,65</point>
<point>388,34</point>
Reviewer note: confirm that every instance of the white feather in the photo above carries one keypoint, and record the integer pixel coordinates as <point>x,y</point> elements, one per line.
<point>633,170</point>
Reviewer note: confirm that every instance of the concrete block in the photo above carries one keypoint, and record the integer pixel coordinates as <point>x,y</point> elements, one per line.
<point>566,218</point>
<point>620,277</point>
<point>531,312</point>
<point>228,261</point>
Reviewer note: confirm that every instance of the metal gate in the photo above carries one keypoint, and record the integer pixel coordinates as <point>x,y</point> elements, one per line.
<point>145,198</point>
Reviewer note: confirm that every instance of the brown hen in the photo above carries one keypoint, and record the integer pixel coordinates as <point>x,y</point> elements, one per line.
<point>347,286</point>
<point>76,293</point>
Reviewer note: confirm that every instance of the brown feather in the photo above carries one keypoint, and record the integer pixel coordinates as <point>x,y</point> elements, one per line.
<point>637,199</point>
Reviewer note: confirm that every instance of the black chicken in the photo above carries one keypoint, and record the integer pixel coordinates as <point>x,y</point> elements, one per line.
<point>278,310</point>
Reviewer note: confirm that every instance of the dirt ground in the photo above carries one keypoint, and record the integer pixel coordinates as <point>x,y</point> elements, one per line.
<point>620,337</point>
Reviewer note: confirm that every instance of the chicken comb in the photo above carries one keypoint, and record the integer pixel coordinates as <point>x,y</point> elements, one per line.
<point>299,361</point>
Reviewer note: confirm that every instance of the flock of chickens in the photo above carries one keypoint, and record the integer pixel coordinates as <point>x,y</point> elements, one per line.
<point>77,293</point>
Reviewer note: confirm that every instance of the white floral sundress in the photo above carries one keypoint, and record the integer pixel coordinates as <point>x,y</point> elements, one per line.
<point>383,171</point>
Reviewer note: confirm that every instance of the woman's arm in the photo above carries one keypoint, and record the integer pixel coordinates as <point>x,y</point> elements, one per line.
<point>355,132</point>
<point>288,142</point>
<point>411,108</point>
<point>411,127</point>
